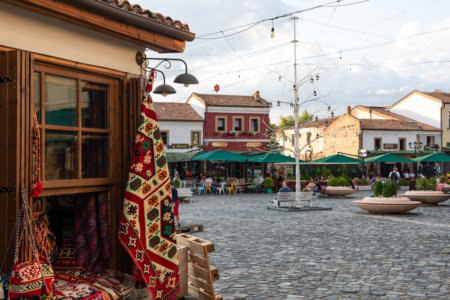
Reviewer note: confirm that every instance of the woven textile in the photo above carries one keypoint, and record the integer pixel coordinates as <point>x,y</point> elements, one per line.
<point>147,224</point>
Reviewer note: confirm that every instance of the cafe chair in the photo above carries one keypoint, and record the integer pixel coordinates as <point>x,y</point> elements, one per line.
<point>208,188</point>
<point>230,189</point>
<point>221,190</point>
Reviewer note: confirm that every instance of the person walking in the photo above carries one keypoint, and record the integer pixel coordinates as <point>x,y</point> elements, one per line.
<point>394,176</point>
<point>176,205</point>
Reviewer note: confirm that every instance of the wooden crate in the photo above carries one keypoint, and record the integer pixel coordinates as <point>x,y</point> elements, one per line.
<point>201,275</point>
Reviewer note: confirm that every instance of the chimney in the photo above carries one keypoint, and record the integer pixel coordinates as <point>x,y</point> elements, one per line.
<point>370,113</point>
<point>256,96</point>
<point>349,110</point>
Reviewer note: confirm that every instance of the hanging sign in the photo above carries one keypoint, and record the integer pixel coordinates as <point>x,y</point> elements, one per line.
<point>219,144</point>
<point>390,146</point>
<point>253,144</point>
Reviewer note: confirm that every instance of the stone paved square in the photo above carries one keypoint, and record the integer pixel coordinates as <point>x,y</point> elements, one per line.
<point>345,253</point>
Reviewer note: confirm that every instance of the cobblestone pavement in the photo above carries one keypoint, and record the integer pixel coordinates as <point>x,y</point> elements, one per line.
<point>345,253</point>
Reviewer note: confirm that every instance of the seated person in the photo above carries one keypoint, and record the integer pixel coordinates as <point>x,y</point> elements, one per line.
<point>317,187</point>
<point>284,187</point>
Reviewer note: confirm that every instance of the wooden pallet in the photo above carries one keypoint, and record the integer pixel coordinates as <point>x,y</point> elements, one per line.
<point>189,228</point>
<point>201,275</point>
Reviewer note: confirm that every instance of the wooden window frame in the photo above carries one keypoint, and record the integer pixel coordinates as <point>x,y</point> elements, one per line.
<point>242,124</point>
<point>375,143</point>
<point>250,124</point>
<point>217,123</point>
<point>168,135</point>
<point>79,184</point>
<point>432,138</point>
<point>199,137</point>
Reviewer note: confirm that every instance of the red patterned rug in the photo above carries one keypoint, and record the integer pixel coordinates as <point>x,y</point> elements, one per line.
<point>147,224</point>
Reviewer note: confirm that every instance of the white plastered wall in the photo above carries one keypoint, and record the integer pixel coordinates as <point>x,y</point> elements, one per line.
<point>27,30</point>
<point>420,108</point>
<point>180,132</point>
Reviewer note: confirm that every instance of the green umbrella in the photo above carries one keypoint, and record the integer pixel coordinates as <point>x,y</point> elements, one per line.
<point>272,158</point>
<point>433,157</point>
<point>336,159</point>
<point>219,155</point>
<point>388,157</point>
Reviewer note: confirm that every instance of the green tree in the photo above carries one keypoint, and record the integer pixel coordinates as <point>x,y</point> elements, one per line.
<point>289,121</point>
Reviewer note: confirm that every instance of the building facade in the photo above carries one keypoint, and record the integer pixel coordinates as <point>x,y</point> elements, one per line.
<point>233,123</point>
<point>74,64</point>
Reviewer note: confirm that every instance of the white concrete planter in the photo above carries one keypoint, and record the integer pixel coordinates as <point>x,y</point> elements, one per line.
<point>386,204</point>
<point>446,188</point>
<point>364,187</point>
<point>404,188</point>
<point>427,197</point>
<point>339,191</point>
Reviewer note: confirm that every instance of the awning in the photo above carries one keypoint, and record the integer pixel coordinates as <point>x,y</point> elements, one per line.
<point>272,158</point>
<point>388,157</point>
<point>220,155</point>
<point>336,159</point>
<point>433,157</point>
<point>180,156</point>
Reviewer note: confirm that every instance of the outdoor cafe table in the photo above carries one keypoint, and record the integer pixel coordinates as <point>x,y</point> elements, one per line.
<point>244,187</point>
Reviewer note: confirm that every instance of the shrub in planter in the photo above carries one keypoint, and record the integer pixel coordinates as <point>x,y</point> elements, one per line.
<point>423,184</point>
<point>176,183</point>
<point>363,181</point>
<point>333,181</point>
<point>443,179</point>
<point>404,182</point>
<point>342,181</point>
<point>267,183</point>
<point>356,181</point>
<point>324,172</point>
<point>389,189</point>
<point>378,188</point>
<point>433,183</point>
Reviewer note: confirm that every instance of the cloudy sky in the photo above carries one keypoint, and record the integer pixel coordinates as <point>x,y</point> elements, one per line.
<point>365,52</point>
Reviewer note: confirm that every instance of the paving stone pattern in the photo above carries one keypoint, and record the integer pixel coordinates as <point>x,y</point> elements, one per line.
<point>345,253</point>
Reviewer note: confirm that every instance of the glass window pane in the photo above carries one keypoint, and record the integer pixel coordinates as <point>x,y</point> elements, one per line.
<point>60,155</point>
<point>37,95</point>
<point>94,156</point>
<point>94,105</point>
<point>60,101</point>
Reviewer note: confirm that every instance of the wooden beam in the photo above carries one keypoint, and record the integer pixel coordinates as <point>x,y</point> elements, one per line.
<point>63,10</point>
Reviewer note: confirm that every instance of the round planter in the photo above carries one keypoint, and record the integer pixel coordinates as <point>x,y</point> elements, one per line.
<point>427,197</point>
<point>386,205</point>
<point>404,188</point>
<point>339,191</point>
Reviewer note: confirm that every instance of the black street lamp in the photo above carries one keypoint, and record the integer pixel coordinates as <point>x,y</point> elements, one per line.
<point>416,146</point>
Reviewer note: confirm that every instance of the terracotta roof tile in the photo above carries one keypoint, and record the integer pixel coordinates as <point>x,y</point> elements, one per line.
<point>444,97</point>
<point>233,100</point>
<point>136,8</point>
<point>377,124</point>
<point>175,111</point>
<point>318,123</point>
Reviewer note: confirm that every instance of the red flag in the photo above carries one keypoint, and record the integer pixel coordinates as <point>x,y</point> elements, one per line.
<point>147,226</point>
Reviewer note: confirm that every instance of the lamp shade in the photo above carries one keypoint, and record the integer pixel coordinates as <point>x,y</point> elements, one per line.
<point>186,78</point>
<point>164,89</point>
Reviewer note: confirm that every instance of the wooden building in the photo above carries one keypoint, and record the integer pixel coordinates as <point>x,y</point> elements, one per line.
<point>74,63</point>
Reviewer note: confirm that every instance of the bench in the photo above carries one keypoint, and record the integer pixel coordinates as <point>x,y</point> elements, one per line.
<point>184,193</point>
<point>290,197</point>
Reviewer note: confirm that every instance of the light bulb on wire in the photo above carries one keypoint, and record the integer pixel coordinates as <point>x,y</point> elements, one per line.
<point>272,31</point>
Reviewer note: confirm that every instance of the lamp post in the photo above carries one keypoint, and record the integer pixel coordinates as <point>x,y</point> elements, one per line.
<point>416,146</point>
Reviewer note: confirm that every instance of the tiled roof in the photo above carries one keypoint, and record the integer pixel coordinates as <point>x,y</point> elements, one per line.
<point>233,100</point>
<point>377,124</point>
<point>404,119</point>
<point>444,97</point>
<point>136,9</point>
<point>318,123</point>
<point>175,111</point>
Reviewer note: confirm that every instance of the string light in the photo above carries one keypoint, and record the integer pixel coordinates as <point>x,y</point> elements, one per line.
<point>272,31</point>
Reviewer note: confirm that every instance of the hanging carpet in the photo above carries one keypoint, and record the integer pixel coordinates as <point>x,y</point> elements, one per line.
<point>146,228</point>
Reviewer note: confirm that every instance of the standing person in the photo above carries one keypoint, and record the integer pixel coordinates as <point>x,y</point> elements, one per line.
<point>394,176</point>
<point>406,174</point>
<point>176,205</point>
<point>176,175</point>
<point>280,182</point>
<point>436,169</point>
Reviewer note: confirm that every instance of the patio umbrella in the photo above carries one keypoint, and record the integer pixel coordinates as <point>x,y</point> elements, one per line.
<point>272,158</point>
<point>219,155</point>
<point>433,157</point>
<point>388,157</point>
<point>336,159</point>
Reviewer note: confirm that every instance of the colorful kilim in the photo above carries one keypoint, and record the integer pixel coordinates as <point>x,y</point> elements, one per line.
<point>147,224</point>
